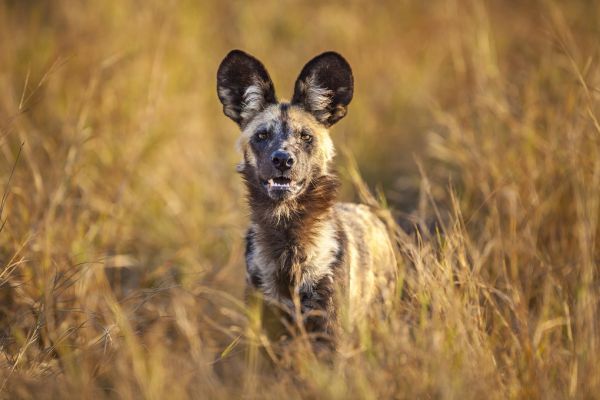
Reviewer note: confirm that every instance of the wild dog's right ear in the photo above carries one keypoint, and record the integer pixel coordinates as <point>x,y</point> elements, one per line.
<point>325,87</point>
<point>244,86</point>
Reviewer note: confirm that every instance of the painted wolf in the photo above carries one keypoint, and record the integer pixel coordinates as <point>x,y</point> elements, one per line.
<point>305,252</point>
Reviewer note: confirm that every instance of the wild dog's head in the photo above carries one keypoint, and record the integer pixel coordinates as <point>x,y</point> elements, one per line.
<point>286,146</point>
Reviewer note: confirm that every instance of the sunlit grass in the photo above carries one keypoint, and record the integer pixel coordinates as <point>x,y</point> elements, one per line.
<point>121,242</point>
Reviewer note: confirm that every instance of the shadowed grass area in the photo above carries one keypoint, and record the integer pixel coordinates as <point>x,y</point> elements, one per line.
<point>122,217</point>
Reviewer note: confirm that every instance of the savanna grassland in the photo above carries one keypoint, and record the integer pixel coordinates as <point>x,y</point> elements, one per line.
<point>474,124</point>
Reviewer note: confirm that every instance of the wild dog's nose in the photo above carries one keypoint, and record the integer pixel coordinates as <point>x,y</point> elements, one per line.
<point>282,160</point>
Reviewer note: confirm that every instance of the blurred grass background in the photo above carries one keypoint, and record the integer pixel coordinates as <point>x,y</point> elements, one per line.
<point>122,217</point>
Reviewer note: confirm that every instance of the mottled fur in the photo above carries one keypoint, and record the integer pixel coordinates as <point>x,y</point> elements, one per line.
<point>302,244</point>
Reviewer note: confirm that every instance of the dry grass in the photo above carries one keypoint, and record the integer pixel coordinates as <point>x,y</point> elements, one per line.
<point>122,216</point>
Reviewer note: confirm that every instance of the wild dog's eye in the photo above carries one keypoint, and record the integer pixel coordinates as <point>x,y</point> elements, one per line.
<point>262,135</point>
<point>305,136</point>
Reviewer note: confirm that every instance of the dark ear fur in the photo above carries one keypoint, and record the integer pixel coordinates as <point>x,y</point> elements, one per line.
<point>325,87</point>
<point>244,86</point>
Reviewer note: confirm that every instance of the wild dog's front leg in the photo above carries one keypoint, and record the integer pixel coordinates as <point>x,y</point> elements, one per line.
<point>318,311</point>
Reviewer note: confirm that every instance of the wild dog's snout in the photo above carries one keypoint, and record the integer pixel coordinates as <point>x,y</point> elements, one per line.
<point>282,160</point>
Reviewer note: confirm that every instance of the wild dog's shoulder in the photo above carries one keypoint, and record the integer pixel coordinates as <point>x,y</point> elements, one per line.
<point>357,215</point>
<point>371,261</point>
<point>366,232</point>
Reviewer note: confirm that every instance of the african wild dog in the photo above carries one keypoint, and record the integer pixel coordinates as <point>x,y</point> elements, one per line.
<point>301,243</point>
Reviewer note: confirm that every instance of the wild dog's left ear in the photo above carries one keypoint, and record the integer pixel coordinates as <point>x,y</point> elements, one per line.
<point>325,87</point>
<point>244,86</point>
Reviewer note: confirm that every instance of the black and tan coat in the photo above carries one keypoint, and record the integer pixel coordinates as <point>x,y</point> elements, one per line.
<point>301,243</point>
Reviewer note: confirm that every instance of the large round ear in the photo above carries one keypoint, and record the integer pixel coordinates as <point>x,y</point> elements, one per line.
<point>244,86</point>
<point>325,87</point>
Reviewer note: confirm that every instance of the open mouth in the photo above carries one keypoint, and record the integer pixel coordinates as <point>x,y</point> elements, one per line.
<point>280,183</point>
<point>281,187</point>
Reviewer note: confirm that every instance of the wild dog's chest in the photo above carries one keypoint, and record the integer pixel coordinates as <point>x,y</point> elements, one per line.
<point>278,266</point>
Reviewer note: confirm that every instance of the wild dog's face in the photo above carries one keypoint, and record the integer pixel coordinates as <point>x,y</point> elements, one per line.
<point>285,145</point>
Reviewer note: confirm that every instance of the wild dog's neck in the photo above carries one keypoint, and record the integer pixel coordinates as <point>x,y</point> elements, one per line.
<point>295,225</point>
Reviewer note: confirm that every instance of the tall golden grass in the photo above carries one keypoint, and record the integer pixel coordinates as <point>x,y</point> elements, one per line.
<point>122,218</point>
